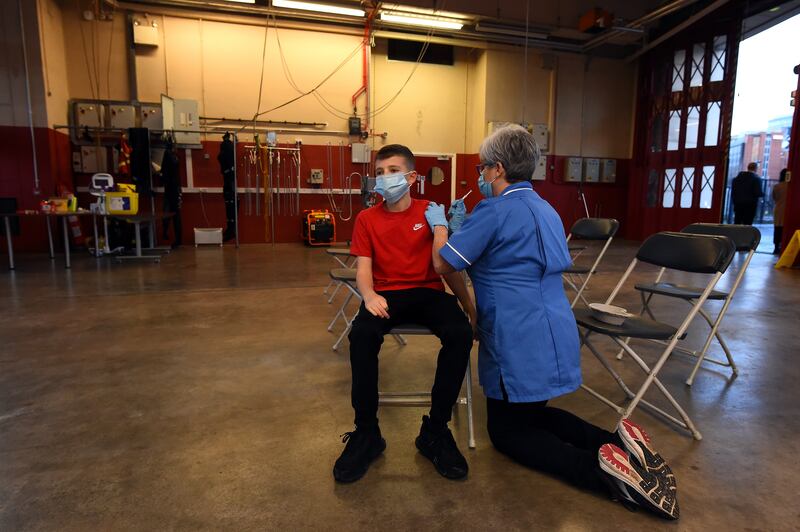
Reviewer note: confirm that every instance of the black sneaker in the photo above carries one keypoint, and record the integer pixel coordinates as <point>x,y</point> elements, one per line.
<point>637,443</point>
<point>636,484</point>
<point>440,448</point>
<point>363,446</point>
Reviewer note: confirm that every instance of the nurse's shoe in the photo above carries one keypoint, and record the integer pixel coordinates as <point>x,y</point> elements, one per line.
<point>363,446</point>
<point>439,447</point>
<point>638,444</point>
<point>634,484</point>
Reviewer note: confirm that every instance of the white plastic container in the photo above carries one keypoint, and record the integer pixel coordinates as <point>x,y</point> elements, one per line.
<point>207,235</point>
<point>610,314</point>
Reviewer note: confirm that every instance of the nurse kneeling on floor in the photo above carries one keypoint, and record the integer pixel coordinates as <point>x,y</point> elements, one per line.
<point>514,248</point>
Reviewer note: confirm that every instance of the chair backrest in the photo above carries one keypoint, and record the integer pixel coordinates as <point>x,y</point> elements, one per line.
<point>687,252</point>
<point>745,237</point>
<point>594,228</point>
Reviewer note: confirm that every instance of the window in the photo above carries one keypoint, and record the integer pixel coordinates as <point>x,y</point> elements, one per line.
<point>674,130</point>
<point>687,188</point>
<point>707,187</point>
<point>692,125</point>
<point>668,199</point>
<point>678,65</point>
<point>712,124</point>
<point>698,60</point>
<point>718,59</point>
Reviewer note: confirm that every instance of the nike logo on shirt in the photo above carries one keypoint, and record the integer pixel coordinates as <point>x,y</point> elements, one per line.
<point>417,227</point>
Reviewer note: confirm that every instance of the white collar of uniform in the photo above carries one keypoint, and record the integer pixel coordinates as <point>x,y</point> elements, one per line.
<point>525,185</point>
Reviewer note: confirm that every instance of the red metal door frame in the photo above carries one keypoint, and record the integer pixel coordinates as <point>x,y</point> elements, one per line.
<point>655,103</point>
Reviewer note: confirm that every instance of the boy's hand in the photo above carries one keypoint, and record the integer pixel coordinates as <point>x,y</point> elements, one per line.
<point>376,305</point>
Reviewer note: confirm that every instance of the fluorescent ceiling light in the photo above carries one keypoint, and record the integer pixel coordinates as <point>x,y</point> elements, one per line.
<point>243,1</point>
<point>417,20</point>
<point>322,8</point>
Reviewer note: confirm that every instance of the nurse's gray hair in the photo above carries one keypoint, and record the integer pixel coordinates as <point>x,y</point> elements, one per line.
<point>513,146</point>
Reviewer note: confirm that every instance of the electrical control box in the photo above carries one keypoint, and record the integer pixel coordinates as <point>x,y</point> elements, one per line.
<point>542,136</point>
<point>540,172</point>
<point>90,115</point>
<point>181,117</point>
<point>573,169</point>
<point>317,176</point>
<point>90,160</point>
<point>121,116</point>
<point>591,170</point>
<point>150,116</point>
<point>361,153</point>
<point>608,170</point>
<point>354,125</point>
<point>145,34</point>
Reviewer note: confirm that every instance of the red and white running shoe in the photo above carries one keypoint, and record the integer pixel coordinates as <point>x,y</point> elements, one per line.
<point>637,443</point>
<point>639,485</point>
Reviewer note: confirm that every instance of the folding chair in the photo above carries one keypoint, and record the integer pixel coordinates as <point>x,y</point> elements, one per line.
<point>424,398</point>
<point>675,251</point>
<point>347,277</point>
<point>745,238</point>
<point>345,260</point>
<point>599,229</point>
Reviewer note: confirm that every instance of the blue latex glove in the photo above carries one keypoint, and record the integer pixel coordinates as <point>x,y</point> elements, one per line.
<point>434,214</point>
<point>457,213</point>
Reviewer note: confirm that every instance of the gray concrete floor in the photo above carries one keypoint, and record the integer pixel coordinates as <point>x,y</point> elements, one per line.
<point>202,393</point>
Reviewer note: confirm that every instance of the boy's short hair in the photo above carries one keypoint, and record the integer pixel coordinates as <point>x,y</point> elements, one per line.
<point>390,150</point>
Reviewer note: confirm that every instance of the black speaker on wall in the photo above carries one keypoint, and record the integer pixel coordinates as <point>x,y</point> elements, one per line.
<point>139,141</point>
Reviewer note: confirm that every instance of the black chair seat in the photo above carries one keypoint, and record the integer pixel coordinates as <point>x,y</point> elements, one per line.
<point>681,291</point>
<point>410,329</point>
<point>577,270</point>
<point>338,251</point>
<point>575,247</point>
<point>343,274</point>
<point>635,327</point>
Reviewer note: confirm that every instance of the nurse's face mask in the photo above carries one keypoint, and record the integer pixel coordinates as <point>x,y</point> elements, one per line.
<point>392,186</point>
<point>484,186</point>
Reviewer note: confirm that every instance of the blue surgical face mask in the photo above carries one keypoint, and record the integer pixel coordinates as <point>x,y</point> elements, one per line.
<point>392,186</point>
<point>485,186</point>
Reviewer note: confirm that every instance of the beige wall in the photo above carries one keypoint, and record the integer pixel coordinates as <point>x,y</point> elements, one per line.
<point>54,61</point>
<point>587,104</point>
<point>476,101</point>
<point>13,96</point>
<point>594,107</point>
<point>429,114</point>
<point>505,84</point>
<point>94,46</point>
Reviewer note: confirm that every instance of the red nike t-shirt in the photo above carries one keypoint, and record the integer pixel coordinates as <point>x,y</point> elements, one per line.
<point>399,244</point>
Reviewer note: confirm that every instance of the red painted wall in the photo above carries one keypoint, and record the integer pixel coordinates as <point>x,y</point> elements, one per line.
<point>207,209</point>
<point>605,200</point>
<point>791,220</point>
<point>53,157</point>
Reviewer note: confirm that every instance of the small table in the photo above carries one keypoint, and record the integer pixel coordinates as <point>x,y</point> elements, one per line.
<point>137,220</point>
<point>46,216</point>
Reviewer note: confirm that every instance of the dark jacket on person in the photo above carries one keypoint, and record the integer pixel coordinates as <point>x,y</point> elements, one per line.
<point>170,176</point>
<point>746,189</point>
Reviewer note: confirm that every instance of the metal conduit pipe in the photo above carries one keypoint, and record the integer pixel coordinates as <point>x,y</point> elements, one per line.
<point>641,21</point>
<point>36,187</point>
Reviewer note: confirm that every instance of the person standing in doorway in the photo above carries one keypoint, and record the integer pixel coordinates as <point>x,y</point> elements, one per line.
<point>226,165</point>
<point>745,193</point>
<point>779,197</point>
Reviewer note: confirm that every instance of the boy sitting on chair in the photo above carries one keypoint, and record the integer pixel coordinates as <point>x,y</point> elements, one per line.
<point>396,279</point>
